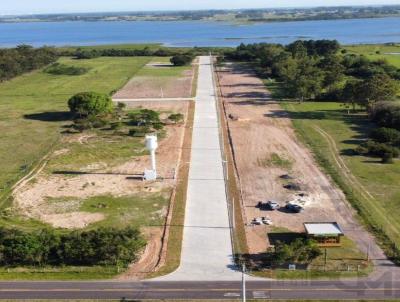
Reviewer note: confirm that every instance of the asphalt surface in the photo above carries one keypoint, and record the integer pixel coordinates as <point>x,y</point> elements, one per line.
<point>361,289</point>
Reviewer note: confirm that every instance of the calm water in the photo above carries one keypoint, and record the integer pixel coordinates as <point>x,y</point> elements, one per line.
<point>182,33</point>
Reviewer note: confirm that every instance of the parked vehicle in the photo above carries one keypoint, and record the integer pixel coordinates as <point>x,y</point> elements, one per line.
<point>269,205</point>
<point>257,221</point>
<point>266,220</point>
<point>294,208</point>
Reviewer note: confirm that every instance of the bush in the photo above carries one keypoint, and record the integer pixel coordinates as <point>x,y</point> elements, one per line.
<point>181,59</point>
<point>144,117</point>
<point>386,135</point>
<point>87,54</point>
<point>140,131</point>
<point>104,246</point>
<point>158,126</point>
<point>378,149</point>
<point>176,117</point>
<point>62,69</point>
<point>298,251</point>
<point>386,114</point>
<point>90,104</point>
<point>387,158</point>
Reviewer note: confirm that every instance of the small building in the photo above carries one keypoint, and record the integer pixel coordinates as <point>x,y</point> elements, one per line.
<point>326,234</point>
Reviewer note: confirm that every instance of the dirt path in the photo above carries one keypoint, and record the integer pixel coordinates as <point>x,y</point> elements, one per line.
<point>261,128</point>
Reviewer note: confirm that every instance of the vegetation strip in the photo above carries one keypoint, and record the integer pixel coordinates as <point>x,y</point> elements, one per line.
<point>234,193</point>
<point>175,229</point>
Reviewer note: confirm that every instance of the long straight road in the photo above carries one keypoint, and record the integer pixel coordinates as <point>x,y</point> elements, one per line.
<point>206,247</point>
<point>385,288</point>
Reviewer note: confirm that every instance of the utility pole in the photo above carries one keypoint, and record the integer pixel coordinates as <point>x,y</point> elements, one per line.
<point>233,213</point>
<point>243,282</point>
<point>368,251</point>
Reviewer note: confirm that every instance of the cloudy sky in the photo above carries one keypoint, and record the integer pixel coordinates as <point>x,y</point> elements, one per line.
<point>67,6</point>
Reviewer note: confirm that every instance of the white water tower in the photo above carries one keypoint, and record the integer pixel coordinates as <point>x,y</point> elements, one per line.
<point>151,145</point>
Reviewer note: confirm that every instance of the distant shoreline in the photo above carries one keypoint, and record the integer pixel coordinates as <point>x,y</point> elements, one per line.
<point>254,21</point>
<point>232,16</point>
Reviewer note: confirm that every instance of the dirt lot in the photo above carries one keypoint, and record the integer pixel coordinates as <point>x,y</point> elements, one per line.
<point>260,128</point>
<point>31,198</point>
<point>159,81</point>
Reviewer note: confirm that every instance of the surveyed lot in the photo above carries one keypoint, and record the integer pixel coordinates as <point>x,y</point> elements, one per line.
<point>159,79</point>
<point>33,107</point>
<point>332,135</point>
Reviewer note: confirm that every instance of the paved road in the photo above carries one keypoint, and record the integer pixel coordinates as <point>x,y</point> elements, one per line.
<point>206,247</point>
<point>381,289</point>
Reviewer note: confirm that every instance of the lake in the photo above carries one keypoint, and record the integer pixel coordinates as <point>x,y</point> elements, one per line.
<point>197,33</point>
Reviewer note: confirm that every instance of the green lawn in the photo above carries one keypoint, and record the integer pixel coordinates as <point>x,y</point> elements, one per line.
<point>33,106</point>
<point>374,187</point>
<point>140,210</point>
<point>383,52</point>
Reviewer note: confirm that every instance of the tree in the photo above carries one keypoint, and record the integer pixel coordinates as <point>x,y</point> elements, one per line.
<point>380,87</point>
<point>87,104</point>
<point>351,93</point>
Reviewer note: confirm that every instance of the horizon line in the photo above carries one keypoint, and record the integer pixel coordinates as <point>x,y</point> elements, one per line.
<point>192,10</point>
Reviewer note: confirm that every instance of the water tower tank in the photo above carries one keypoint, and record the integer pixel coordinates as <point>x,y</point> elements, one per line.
<point>151,142</point>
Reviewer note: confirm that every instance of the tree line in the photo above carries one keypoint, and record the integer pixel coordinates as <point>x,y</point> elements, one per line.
<point>322,70</point>
<point>24,58</point>
<point>91,53</point>
<point>104,246</point>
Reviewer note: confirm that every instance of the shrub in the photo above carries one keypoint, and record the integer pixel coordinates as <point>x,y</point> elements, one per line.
<point>386,114</point>
<point>379,149</point>
<point>62,69</point>
<point>386,135</point>
<point>158,126</point>
<point>86,104</point>
<point>181,59</point>
<point>298,251</point>
<point>176,117</point>
<point>104,246</point>
<point>145,117</point>
<point>139,131</point>
<point>387,158</point>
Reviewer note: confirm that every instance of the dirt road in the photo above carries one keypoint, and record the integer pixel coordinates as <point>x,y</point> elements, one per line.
<point>266,148</point>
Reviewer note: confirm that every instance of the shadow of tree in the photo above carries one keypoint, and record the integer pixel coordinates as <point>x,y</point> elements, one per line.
<point>51,116</point>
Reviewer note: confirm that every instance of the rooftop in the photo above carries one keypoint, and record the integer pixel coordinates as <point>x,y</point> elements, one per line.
<point>323,228</point>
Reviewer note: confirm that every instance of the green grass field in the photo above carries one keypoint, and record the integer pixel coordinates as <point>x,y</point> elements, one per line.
<point>332,135</point>
<point>376,52</point>
<point>33,106</point>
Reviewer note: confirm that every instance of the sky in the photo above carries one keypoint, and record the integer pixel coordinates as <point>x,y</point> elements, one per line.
<point>69,6</point>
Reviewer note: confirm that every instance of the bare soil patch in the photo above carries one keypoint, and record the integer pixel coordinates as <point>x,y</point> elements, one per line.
<point>158,86</point>
<point>33,199</point>
<point>265,148</point>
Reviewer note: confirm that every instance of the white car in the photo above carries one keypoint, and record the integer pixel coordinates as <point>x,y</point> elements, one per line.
<point>257,221</point>
<point>266,220</point>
